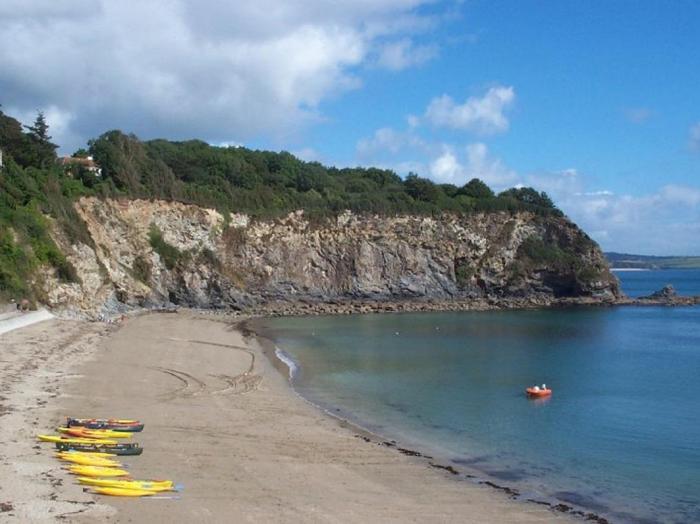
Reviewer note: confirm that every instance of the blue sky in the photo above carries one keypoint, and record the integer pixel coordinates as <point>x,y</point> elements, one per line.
<point>597,103</point>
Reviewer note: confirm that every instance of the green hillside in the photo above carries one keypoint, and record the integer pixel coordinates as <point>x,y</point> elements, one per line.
<point>262,183</point>
<point>624,260</point>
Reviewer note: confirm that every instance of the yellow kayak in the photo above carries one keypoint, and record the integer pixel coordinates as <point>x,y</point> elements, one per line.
<point>89,454</point>
<point>88,461</point>
<point>148,485</point>
<point>97,471</point>
<point>81,432</point>
<point>75,440</point>
<point>124,492</point>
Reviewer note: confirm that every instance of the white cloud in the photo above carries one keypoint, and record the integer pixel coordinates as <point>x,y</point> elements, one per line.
<point>308,154</point>
<point>602,192</point>
<point>481,164</point>
<point>222,71</point>
<point>665,221</point>
<point>403,54</point>
<point>694,137</point>
<point>388,141</point>
<point>684,195</point>
<point>446,168</point>
<point>475,162</point>
<point>484,116</point>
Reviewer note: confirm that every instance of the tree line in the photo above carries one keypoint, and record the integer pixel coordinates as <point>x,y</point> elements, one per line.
<point>261,183</point>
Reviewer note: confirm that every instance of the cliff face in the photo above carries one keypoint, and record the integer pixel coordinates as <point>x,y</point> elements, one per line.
<point>151,253</point>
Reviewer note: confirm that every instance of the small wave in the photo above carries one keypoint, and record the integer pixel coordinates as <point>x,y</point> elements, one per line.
<point>288,361</point>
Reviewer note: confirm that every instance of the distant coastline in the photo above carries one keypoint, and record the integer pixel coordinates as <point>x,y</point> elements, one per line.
<point>626,261</point>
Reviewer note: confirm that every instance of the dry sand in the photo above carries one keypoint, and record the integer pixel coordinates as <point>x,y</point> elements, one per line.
<point>221,421</point>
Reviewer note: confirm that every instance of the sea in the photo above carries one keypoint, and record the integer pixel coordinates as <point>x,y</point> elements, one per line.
<point>620,436</point>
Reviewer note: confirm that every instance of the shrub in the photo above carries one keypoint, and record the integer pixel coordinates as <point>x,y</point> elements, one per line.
<point>169,254</point>
<point>539,251</point>
<point>475,188</point>
<point>463,272</point>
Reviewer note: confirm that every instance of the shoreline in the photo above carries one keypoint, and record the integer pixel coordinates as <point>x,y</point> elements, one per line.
<point>341,306</point>
<point>361,306</point>
<point>223,423</point>
<point>459,472</point>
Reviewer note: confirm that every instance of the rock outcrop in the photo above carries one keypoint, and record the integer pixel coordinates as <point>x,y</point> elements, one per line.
<point>666,296</point>
<point>151,253</point>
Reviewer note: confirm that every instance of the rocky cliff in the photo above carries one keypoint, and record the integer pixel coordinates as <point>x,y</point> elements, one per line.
<point>150,253</point>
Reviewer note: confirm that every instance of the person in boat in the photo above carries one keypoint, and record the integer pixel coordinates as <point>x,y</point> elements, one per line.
<point>544,387</point>
<point>536,388</point>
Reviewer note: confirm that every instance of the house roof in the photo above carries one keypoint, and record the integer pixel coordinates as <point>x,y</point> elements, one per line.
<point>73,160</point>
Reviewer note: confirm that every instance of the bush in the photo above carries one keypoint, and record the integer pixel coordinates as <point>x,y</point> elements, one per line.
<point>528,195</point>
<point>541,252</point>
<point>475,188</point>
<point>65,271</point>
<point>463,273</point>
<point>169,254</point>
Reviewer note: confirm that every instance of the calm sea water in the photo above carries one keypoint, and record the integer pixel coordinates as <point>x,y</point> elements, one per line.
<point>620,436</point>
<point>640,283</point>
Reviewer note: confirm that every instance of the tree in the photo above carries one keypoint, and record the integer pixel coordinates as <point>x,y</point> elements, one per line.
<point>81,153</point>
<point>421,188</point>
<point>529,195</point>
<point>11,137</point>
<point>40,130</point>
<point>44,151</point>
<point>475,188</point>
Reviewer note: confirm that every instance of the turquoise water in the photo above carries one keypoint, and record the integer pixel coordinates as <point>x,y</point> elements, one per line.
<point>620,436</point>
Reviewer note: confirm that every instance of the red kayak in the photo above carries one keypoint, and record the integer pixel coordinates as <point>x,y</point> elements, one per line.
<point>538,393</point>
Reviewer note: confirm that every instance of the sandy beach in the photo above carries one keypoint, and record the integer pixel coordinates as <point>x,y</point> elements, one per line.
<point>220,420</point>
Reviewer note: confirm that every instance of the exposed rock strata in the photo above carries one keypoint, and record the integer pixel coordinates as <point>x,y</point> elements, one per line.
<point>367,262</point>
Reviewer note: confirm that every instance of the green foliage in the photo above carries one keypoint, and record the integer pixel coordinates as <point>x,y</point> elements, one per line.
<point>588,274</point>
<point>31,186</point>
<point>421,189</point>
<point>169,254</point>
<point>541,252</point>
<point>126,163</point>
<point>463,272</point>
<point>475,188</point>
<point>268,184</point>
<point>42,150</point>
<point>652,262</point>
<point>528,195</point>
<point>15,267</point>
<point>12,140</point>
<point>19,258</point>
<point>263,184</point>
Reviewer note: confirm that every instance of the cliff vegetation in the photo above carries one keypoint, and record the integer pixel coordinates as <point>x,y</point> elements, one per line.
<point>268,226</point>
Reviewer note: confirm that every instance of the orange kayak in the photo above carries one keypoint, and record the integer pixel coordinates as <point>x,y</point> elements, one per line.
<point>538,393</point>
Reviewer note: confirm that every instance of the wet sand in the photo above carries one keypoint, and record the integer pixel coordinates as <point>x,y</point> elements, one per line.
<point>223,422</point>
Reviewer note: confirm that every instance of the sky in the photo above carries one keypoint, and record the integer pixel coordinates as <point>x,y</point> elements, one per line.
<point>597,103</point>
